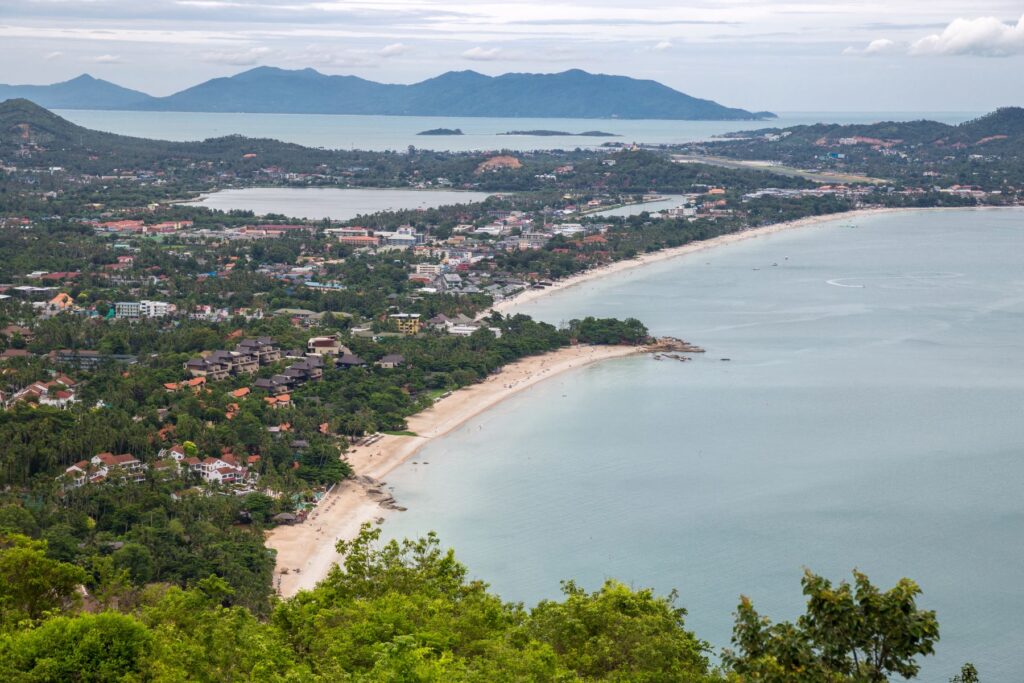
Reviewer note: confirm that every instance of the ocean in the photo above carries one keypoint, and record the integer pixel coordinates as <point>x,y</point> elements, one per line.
<point>869,416</point>
<point>399,132</point>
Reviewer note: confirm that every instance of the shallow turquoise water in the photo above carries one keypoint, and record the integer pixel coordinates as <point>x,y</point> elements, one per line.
<point>870,417</point>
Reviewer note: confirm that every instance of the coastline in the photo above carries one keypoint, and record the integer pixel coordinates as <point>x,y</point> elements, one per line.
<point>309,547</point>
<point>529,295</point>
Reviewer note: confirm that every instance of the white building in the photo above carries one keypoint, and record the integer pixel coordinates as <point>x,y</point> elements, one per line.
<point>142,309</point>
<point>429,269</point>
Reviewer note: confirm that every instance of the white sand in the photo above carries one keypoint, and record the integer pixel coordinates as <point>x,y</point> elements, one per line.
<point>309,547</point>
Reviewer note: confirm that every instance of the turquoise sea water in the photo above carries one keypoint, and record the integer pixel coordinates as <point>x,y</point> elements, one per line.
<point>398,132</point>
<point>870,416</point>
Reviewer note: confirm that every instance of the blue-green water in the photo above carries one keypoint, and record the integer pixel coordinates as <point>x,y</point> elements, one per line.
<point>480,133</point>
<point>876,426</point>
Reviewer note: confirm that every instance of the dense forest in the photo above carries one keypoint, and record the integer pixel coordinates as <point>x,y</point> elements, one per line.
<point>407,611</point>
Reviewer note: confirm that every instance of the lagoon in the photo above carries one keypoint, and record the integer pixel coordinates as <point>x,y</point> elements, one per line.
<point>663,203</point>
<point>869,417</point>
<point>317,203</point>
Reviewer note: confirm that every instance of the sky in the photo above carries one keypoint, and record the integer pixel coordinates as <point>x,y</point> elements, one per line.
<point>781,55</point>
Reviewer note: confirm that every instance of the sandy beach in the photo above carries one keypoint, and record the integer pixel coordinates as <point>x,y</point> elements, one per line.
<point>309,547</point>
<point>619,266</point>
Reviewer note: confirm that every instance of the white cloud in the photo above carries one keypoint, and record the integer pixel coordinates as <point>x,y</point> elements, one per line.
<point>482,54</point>
<point>53,55</point>
<point>327,56</point>
<point>882,46</point>
<point>106,59</point>
<point>145,36</point>
<point>662,46</point>
<point>237,57</point>
<point>394,50</point>
<point>982,37</point>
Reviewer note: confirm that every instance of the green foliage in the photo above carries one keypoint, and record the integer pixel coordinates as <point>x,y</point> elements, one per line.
<point>968,674</point>
<point>616,633</point>
<point>608,331</point>
<point>407,611</point>
<point>91,648</point>
<point>848,633</point>
<point>33,584</point>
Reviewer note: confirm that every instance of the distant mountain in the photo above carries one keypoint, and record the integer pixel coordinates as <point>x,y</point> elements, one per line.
<point>1002,125</point>
<point>873,148</point>
<point>58,142</point>
<point>84,92</point>
<point>570,94</point>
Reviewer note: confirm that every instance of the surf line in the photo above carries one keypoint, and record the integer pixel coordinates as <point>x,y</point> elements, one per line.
<point>839,283</point>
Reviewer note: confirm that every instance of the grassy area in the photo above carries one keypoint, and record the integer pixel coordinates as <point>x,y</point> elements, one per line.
<point>404,432</point>
<point>435,394</point>
<point>815,176</point>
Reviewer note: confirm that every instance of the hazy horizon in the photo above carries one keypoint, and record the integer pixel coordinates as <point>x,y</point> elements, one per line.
<point>779,55</point>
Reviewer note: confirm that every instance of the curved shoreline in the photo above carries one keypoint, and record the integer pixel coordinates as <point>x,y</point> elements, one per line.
<point>529,295</point>
<point>309,546</point>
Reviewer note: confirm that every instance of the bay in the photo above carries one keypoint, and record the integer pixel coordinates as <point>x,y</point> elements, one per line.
<point>382,133</point>
<point>316,203</point>
<point>870,417</point>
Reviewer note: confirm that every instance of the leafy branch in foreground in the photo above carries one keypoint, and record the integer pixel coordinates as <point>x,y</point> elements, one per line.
<point>849,633</point>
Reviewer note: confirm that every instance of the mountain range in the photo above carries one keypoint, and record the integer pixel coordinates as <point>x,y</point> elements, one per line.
<point>570,94</point>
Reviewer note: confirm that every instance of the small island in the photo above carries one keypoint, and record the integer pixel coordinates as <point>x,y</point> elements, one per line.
<point>543,133</point>
<point>442,131</point>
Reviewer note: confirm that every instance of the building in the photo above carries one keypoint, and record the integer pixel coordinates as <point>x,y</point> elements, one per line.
<point>142,309</point>
<point>102,467</point>
<point>89,360</point>
<point>431,269</point>
<point>449,282</point>
<point>264,348</point>
<point>359,241</point>
<point>391,361</point>
<point>326,346</point>
<point>404,237</point>
<point>407,323</point>
<point>353,231</point>
<point>222,470</point>
<point>58,393</point>
<point>248,357</point>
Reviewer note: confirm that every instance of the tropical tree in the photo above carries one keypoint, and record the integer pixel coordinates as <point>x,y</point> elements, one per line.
<point>848,633</point>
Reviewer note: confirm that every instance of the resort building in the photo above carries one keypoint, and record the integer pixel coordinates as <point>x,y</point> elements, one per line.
<point>407,323</point>
<point>142,309</point>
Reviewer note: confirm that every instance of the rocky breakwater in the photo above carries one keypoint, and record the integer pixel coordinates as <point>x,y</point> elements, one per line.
<point>375,490</point>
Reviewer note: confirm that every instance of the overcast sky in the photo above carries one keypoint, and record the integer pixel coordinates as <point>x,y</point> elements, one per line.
<point>784,55</point>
